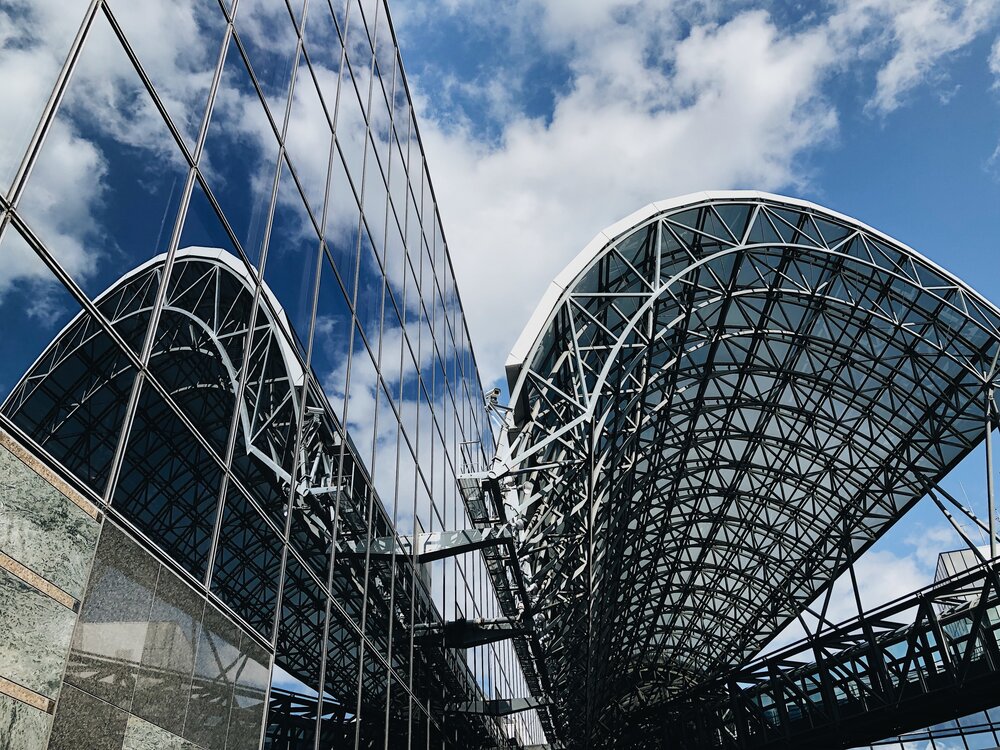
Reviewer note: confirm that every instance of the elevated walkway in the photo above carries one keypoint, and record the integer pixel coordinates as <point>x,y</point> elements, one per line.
<point>927,658</point>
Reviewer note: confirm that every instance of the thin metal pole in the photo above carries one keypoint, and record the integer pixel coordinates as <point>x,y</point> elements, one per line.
<point>989,472</point>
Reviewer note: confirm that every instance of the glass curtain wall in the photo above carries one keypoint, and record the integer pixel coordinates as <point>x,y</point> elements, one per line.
<point>229,313</point>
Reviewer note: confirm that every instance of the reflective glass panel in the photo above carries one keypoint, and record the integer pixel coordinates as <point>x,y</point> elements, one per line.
<point>197,353</point>
<point>33,304</point>
<point>104,193</point>
<point>392,350</point>
<point>203,227</point>
<point>325,50</point>
<point>386,447</point>
<point>269,37</point>
<point>343,218</point>
<point>363,386</point>
<point>240,155</point>
<point>399,716</point>
<point>248,563</point>
<point>340,689</point>
<point>178,44</point>
<point>36,39</point>
<point>292,717</point>
<point>313,502</point>
<point>339,8</point>
<point>265,435</point>
<point>360,22</point>
<point>351,123</point>
<point>308,139</point>
<point>370,285</point>
<point>374,689</point>
<point>292,255</point>
<point>352,535</point>
<point>410,395</point>
<point>82,365</point>
<point>300,631</point>
<point>169,484</point>
<point>331,338</point>
<point>395,260</point>
<point>385,48</point>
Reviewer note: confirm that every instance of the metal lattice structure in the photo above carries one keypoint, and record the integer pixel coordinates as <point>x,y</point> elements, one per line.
<point>719,405</point>
<point>922,660</point>
<point>73,396</point>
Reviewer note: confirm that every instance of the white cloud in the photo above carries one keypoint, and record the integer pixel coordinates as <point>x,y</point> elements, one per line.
<point>994,63</point>
<point>884,575</point>
<point>928,543</point>
<point>67,187</point>
<point>660,100</point>
<point>921,33</point>
<point>34,40</point>
<point>740,104</point>
<point>67,193</point>
<point>178,45</point>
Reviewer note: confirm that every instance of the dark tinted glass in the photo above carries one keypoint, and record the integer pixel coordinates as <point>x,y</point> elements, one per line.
<point>169,483</point>
<point>85,368</point>
<point>300,632</point>
<point>198,350</point>
<point>248,563</point>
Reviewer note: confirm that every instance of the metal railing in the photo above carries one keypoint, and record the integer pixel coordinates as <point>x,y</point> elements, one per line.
<point>926,658</point>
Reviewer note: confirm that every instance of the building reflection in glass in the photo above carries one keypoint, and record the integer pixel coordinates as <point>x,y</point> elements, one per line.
<point>224,381</point>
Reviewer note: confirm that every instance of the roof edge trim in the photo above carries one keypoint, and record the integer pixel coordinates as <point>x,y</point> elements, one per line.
<point>549,302</point>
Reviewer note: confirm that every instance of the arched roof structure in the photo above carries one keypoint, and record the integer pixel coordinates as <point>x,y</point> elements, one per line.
<point>723,401</point>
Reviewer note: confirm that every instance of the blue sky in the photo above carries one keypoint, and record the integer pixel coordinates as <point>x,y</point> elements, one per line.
<point>544,122</point>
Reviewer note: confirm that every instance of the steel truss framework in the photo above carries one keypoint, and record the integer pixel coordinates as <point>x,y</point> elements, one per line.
<point>926,658</point>
<point>723,402</point>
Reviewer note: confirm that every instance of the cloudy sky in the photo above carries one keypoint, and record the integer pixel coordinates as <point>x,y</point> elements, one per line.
<point>546,120</point>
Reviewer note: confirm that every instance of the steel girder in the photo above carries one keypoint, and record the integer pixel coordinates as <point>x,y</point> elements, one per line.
<point>436,545</point>
<point>718,407</point>
<point>499,707</point>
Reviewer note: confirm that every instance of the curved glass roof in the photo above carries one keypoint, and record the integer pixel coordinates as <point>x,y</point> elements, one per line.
<point>723,401</point>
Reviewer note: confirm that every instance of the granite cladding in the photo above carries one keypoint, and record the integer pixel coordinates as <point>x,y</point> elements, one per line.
<point>149,647</point>
<point>111,632</point>
<point>144,662</point>
<point>141,735</point>
<point>21,726</point>
<point>43,529</point>
<point>47,541</point>
<point>35,632</point>
<point>83,721</point>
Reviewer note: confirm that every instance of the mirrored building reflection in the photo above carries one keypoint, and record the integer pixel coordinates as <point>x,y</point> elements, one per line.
<point>234,361</point>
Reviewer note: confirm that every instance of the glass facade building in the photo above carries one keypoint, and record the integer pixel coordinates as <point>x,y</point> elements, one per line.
<point>234,357</point>
<point>241,419</point>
